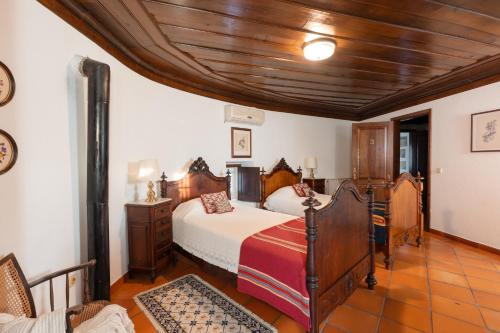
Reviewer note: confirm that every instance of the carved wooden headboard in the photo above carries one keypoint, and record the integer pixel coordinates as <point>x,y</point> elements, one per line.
<point>281,175</point>
<point>199,180</point>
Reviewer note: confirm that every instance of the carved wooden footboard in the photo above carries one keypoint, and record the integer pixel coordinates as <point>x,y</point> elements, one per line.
<point>340,249</point>
<point>403,216</point>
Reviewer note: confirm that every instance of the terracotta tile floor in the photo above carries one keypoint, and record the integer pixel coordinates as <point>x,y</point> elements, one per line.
<point>442,287</point>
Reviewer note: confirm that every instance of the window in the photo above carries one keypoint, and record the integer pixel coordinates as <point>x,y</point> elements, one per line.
<point>404,152</point>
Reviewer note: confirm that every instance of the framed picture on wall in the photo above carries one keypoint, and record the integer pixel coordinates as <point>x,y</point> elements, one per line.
<point>8,152</point>
<point>241,142</point>
<point>485,131</point>
<point>7,84</point>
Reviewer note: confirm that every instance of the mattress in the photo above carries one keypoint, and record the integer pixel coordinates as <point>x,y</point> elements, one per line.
<point>285,200</point>
<point>217,238</point>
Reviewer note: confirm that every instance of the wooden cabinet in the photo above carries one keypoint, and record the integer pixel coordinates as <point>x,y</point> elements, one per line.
<point>317,184</point>
<point>149,227</point>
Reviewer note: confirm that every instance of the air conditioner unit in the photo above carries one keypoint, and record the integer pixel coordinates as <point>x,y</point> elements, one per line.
<point>242,114</point>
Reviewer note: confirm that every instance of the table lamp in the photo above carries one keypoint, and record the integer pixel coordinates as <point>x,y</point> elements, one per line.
<point>311,163</point>
<point>149,172</point>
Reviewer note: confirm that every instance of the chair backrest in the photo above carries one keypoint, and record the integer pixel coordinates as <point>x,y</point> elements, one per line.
<point>15,294</point>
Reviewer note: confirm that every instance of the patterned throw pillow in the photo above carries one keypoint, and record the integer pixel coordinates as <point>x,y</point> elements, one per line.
<point>301,189</point>
<point>223,206</point>
<point>209,201</point>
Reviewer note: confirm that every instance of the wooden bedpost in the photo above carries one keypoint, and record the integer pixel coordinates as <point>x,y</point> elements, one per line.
<point>262,187</point>
<point>420,209</point>
<point>388,191</point>
<point>370,278</point>
<point>228,189</point>
<point>312,275</point>
<point>299,171</point>
<point>163,185</point>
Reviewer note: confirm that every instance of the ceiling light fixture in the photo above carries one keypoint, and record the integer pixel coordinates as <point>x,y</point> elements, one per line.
<point>319,49</point>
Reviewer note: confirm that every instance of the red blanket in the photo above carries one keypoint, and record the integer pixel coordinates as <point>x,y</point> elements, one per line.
<point>273,268</point>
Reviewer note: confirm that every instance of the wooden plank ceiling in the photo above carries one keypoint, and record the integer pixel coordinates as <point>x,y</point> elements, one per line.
<point>390,54</point>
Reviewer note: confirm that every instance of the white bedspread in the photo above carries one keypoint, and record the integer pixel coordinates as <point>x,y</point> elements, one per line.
<point>286,201</point>
<point>217,238</point>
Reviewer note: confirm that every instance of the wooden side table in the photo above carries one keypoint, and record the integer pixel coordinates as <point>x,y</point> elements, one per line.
<point>149,227</point>
<point>317,184</point>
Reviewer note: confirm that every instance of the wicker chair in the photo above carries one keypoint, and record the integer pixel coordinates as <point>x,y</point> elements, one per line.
<point>16,297</point>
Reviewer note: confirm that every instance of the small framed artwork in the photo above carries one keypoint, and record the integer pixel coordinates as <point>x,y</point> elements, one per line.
<point>7,85</point>
<point>8,152</point>
<point>241,142</point>
<point>485,131</point>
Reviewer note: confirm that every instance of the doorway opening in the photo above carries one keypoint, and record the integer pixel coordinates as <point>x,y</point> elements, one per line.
<point>414,134</point>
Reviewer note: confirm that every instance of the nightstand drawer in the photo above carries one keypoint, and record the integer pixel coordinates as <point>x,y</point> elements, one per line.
<point>163,255</point>
<point>161,212</point>
<point>163,237</point>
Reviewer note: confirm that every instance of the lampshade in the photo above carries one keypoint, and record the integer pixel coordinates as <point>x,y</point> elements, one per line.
<point>311,163</point>
<point>319,49</point>
<point>148,170</point>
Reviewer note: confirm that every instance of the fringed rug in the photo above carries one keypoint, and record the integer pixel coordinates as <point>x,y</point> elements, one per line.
<point>191,305</point>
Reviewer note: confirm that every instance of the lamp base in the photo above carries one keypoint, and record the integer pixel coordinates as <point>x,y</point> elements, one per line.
<point>151,195</point>
<point>311,174</point>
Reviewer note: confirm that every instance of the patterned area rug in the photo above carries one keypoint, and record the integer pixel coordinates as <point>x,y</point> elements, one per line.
<point>191,305</point>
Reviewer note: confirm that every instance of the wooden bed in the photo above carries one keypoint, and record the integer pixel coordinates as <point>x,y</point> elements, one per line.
<point>340,238</point>
<point>403,214</point>
<point>282,175</point>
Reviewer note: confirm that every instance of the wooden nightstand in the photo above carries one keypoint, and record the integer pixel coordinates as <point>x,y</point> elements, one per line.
<point>317,184</point>
<point>149,227</point>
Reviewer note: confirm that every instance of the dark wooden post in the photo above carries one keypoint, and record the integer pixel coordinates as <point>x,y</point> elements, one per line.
<point>420,206</point>
<point>262,187</point>
<point>388,190</point>
<point>97,175</point>
<point>312,280</point>
<point>228,188</point>
<point>370,278</point>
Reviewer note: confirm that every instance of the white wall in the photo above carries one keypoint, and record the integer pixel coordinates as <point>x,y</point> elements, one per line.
<point>465,199</point>
<point>39,198</point>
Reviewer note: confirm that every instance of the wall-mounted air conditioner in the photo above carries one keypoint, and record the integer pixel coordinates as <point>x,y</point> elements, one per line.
<point>243,114</point>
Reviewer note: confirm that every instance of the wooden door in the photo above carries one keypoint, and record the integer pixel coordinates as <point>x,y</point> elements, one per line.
<point>373,147</point>
<point>249,184</point>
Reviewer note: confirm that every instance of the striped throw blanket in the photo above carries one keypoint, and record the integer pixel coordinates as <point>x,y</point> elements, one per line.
<point>273,268</point>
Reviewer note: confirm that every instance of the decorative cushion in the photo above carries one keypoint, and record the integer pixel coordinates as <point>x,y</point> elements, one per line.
<point>223,206</point>
<point>209,201</point>
<point>302,189</point>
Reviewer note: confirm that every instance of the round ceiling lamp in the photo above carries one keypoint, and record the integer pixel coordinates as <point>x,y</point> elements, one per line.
<point>319,49</point>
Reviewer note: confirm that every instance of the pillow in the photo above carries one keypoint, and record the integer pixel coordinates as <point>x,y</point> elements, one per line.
<point>223,206</point>
<point>302,189</point>
<point>209,201</point>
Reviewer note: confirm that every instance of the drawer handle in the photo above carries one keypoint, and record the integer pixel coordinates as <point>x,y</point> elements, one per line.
<point>162,233</point>
<point>164,222</point>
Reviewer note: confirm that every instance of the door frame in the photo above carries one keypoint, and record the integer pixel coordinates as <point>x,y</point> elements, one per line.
<point>397,121</point>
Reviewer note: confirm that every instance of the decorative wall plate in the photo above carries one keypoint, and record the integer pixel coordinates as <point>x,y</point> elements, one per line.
<point>8,152</point>
<point>7,85</point>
